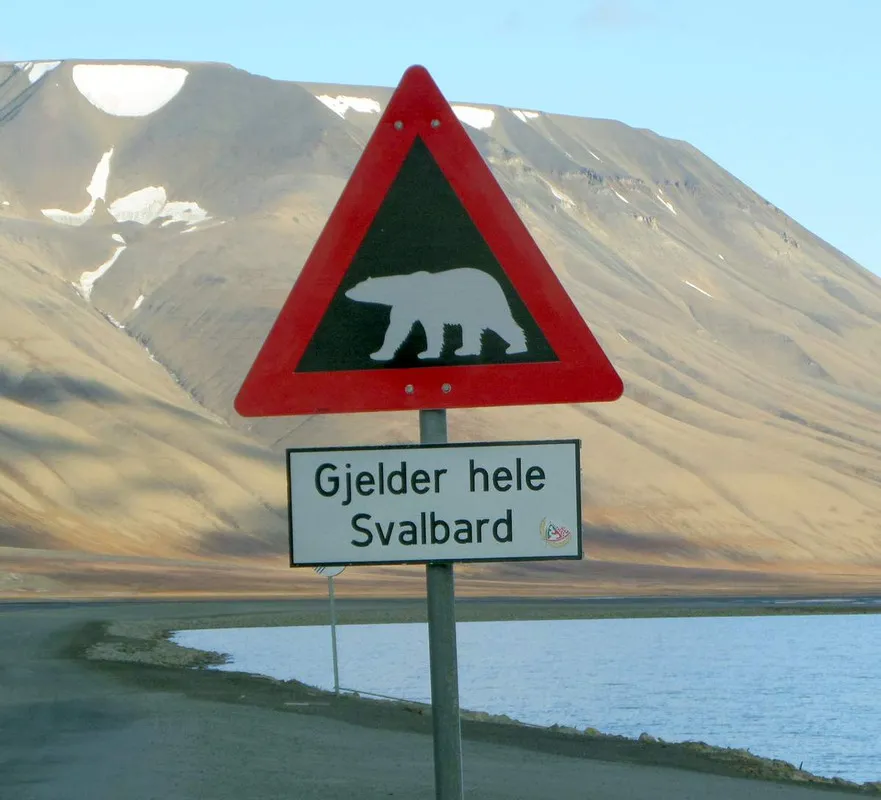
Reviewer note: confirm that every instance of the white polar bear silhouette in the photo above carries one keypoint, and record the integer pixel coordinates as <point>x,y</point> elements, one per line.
<point>467,297</point>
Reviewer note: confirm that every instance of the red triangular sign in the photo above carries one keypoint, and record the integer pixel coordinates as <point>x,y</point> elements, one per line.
<point>424,290</point>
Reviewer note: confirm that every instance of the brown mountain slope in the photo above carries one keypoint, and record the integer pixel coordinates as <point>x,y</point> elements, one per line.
<point>747,437</point>
<point>103,452</point>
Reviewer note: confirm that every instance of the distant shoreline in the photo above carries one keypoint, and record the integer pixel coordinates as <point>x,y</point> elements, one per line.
<point>472,608</point>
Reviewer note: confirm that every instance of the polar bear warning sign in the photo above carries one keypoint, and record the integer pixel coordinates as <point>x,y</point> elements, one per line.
<point>424,289</point>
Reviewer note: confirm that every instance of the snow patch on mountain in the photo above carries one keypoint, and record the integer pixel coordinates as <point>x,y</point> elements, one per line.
<point>97,190</point>
<point>138,302</point>
<point>36,69</point>
<point>97,187</point>
<point>200,227</point>
<point>668,204</point>
<point>697,288</point>
<point>621,197</point>
<point>118,238</point>
<point>525,116</point>
<point>594,155</point>
<point>73,218</point>
<point>143,205</point>
<point>564,199</point>
<point>343,103</point>
<point>146,205</point>
<point>88,280</point>
<point>183,211</point>
<point>128,90</point>
<point>480,118</point>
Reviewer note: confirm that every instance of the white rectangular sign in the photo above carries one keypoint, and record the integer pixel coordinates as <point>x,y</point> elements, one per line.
<point>405,504</point>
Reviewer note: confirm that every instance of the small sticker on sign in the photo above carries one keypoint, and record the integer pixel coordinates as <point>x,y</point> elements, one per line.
<point>553,534</point>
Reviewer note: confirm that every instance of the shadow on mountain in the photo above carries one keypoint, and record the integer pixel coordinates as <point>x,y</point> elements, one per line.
<point>257,531</point>
<point>655,577</point>
<point>46,390</point>
<point>49,389</point>
<point>178,411</point>
<point>43,445</point>
<point>238,544</point>
<point>258,453</point>
<point>27,537</point>
<point>104,575</point>
<point>643,544</point>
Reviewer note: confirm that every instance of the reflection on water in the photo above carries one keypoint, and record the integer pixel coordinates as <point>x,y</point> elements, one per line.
<point>800,688</point>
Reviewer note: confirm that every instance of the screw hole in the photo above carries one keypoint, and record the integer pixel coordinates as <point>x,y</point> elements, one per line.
<point>409,388</point>
<point>446,388</point>
<point>399,125</point>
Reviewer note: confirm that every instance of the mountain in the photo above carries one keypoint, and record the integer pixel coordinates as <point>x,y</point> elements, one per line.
<point>154,216</point>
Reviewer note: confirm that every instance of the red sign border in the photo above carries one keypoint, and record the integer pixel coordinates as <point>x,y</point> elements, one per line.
<point>583,372</point>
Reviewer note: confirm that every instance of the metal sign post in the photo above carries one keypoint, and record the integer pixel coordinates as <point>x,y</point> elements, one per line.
<point>446,723</point>
<point>336,669</point>
<point>331,573</point>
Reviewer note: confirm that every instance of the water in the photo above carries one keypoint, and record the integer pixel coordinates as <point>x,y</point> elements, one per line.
<point>801,688</point>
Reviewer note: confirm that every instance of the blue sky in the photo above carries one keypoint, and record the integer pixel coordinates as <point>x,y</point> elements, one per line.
<point>785,94</point>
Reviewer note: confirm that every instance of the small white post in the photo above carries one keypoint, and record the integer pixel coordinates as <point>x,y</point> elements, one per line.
<point>330,573</point>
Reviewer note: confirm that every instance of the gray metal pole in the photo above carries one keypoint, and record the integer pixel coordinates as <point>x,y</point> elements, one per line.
<point>448,776</point>
<point>336,669</point>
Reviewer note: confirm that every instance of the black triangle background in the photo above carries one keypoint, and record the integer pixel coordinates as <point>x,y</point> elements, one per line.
<point>421,225</point>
